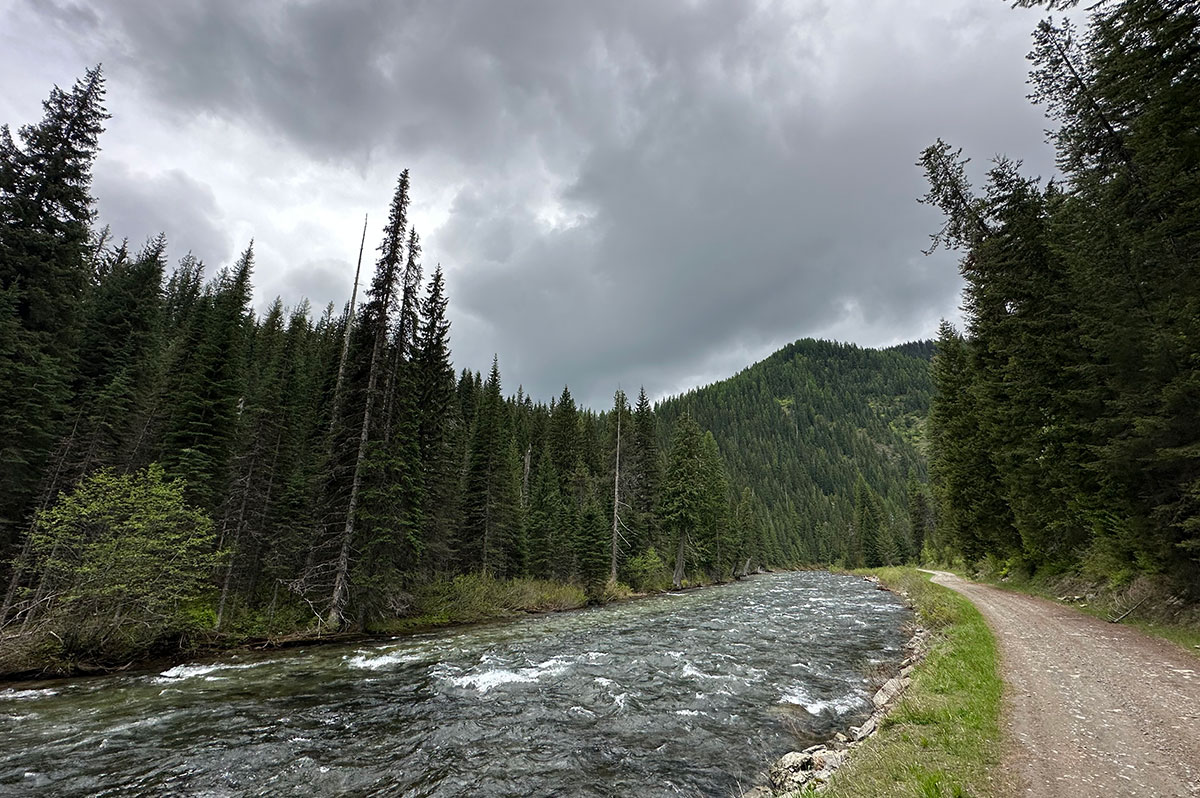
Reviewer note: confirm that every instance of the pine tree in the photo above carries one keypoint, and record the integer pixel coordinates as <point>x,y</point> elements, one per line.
<point>544,520</point>
<point>921,518</point>
<point>645,477</point>
<point>719,545</point>
<point>592,547</point>
<point>491,535</point>
<point>207,383</point>
<point>684,498</point>
<point>439,422</point>
<point>564,437</point>
<point>45,227</point>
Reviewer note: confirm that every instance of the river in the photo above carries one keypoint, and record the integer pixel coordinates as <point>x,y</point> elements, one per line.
<point>685,694</point>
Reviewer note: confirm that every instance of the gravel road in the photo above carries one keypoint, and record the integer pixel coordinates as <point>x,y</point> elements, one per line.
<point>1091,708</point>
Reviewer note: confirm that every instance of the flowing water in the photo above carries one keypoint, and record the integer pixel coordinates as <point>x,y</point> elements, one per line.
<point>684,694</point>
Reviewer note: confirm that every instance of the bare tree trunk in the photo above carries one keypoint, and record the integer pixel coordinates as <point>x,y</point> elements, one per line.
<point>341,377</point>
<point>525,478</point>
<point>22,560</point>
<point>616,501</point>
<point>18,571</point>
<point>677,580</point>
<point>237,539</point>
<point>341,579</point>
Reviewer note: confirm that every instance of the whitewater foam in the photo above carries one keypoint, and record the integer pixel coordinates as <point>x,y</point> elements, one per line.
<point>180,672</point>
<point>26,695</point>
<point>494,677</point>
<point>366,660</point>
<point>798,696</point>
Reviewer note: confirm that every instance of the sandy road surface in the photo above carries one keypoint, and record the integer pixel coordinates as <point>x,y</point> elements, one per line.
<point>1092,708</point>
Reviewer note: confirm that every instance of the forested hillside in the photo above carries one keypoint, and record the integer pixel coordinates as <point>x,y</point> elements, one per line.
<point>825,437</point>
<point>1066,429</point>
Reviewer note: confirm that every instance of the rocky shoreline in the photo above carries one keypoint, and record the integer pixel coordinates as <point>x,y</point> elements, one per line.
<point>800,772</point>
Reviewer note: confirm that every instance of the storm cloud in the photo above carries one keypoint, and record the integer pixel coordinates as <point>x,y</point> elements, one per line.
<point>621,193</point>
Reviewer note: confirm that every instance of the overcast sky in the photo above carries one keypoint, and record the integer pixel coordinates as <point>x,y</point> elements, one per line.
<point>621,193</point>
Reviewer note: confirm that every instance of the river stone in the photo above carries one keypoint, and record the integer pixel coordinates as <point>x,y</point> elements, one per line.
<point>796,769</point>
<point>891,688</point>
<point>800,768</point>
<point>789,771</point>
<point>864,731</point>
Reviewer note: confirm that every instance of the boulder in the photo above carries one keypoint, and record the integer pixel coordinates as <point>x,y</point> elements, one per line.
<point>796,769</point>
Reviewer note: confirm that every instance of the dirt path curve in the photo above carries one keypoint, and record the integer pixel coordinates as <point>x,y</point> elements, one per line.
<point>1092,708</point>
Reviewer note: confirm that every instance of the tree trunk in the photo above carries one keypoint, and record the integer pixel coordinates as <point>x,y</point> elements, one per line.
<point>341,376</point>
<point>237,539</point>
<point>616,501</point>
<point>525,477</point>
<point>341,579</point>
<point>678,577</point>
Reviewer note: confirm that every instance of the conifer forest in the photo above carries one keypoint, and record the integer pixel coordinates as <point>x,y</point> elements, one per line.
<point>1064,435</point>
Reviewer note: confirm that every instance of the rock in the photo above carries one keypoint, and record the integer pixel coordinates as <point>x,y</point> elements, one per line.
<point>864,731</point>
<point>891,688</point>
<point>761,791</point>
<point>790,771</point>
<point>841,738</point>
<point>794,770</point>
<point>907,670</point>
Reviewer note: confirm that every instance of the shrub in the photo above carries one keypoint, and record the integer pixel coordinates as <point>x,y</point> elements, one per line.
<point>122,563</point>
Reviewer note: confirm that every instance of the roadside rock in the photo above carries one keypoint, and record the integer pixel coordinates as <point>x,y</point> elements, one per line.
<point>797,769</point>
<point>891,688</point>
<point>860,733</point>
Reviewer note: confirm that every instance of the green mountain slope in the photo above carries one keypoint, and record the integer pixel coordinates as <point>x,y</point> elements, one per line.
<point>799,427</point>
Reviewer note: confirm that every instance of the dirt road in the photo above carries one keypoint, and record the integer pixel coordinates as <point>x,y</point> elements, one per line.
<point>1092,708</point>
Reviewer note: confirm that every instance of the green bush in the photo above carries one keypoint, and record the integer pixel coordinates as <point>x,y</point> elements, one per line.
<point>123,563</point>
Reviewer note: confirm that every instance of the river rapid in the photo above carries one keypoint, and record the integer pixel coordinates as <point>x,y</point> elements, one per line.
<point>685,694</point>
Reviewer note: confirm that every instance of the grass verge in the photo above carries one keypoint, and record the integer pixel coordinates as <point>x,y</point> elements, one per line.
<point>943,737</point>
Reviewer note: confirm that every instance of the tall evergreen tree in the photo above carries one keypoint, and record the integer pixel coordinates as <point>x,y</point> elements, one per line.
<point>440,426</point>
<point>645,477</point>
<point>207,385</point>
<point>684,497</point>
<point>491,535</point>
<point>45,228</point>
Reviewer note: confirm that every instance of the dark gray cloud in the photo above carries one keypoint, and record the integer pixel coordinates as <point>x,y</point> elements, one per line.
<point>634,192</point>
<point>138,206</point>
